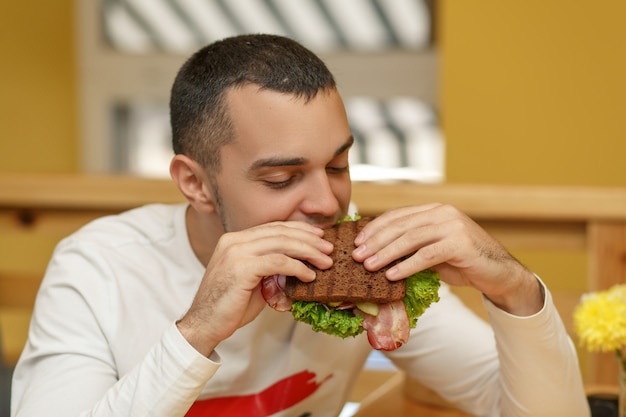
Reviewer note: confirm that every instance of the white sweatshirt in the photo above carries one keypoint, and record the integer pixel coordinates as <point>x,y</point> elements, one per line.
<point>103,342</point>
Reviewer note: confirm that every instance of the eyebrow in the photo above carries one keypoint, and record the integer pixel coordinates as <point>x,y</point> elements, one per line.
<point>282,162</point>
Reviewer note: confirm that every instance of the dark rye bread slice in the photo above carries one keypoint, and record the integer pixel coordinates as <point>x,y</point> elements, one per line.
<point>346,280</point>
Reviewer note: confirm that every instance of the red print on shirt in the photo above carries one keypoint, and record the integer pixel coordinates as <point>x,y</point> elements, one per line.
<point>277,397</point>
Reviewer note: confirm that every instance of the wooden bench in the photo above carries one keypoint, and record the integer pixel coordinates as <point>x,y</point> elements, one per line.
<point>589,222</point>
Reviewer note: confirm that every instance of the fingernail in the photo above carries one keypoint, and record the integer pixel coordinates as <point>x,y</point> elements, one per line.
<point>359,250</point>
<point>393,272</point>
<point>371,261</point>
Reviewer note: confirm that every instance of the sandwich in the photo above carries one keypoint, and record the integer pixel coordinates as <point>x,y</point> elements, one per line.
<point>346,299</point>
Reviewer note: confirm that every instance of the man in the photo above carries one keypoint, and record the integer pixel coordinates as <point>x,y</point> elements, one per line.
<point>158,311</point>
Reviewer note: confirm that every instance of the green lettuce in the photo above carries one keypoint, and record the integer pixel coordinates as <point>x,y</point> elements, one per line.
<point>422,289</point>
<point>349,218</point>
<point>326,319</point>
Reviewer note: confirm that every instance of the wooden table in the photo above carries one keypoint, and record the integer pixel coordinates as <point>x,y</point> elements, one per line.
<point>384,393</point>
<point>413,409</point>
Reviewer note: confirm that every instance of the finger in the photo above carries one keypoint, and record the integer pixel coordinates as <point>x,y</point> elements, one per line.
<point>396,240</point>
<point>401,246</point>
<point>292,225</point>
<point>429,256</point>
<point>276,237</point>
<point>423,226</point>
<point>449,241</point>
<point>386,228</point>
<point>274,264</point>
<point>390,217</point>
<point>297,244</point>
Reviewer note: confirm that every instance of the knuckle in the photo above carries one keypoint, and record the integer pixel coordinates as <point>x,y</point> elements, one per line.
<point>428,253</point>
<point>227,240</point>
<point>278,261</point>
<point>449,209</point>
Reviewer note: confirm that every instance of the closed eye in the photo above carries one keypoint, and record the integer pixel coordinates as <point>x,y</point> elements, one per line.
<point>339,170</point>
<point>281,179</point>
<point>277,185</point>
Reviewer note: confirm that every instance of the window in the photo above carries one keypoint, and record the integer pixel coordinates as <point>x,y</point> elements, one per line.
<point>381,52</point>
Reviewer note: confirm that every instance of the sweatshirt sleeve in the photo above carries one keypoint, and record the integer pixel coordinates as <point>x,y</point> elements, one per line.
<point>518,366</point>
<point>165,383</point>
<point>539,369</point>
<point>68,368</point>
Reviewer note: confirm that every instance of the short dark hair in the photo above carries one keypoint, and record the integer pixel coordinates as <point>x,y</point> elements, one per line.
<point>199,114</point>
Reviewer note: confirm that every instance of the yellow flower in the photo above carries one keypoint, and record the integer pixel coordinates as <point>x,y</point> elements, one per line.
<point>600,319</point>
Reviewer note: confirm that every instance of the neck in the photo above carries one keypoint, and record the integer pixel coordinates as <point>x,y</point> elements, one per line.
<point>204,231</point>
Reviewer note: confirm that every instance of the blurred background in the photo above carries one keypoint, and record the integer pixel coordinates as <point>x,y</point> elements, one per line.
<point>119,58</point>
<point>520,92</point>
<point>437,91</point>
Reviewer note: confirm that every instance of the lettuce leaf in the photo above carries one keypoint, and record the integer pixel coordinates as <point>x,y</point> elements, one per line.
<point>325,319</point>
<point>422,289</point>
<point>349,218</point>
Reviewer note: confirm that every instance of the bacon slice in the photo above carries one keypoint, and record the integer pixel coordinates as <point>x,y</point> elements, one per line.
<point>390,329</point>
<point>272,289</point>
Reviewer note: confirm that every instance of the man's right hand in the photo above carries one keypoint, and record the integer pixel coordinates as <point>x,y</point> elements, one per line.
<point>229,295</point>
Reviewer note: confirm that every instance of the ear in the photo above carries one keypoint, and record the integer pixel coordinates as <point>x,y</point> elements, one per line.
<point>192,181</point>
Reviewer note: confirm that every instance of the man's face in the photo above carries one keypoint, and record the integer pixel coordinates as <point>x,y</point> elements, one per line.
<point>289,160</point>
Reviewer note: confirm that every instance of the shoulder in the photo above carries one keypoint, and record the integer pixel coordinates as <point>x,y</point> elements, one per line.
<point>147,243</point>
<point>145,224</point>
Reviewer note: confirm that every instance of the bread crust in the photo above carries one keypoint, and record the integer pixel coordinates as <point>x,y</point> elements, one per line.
<point>347,280</point>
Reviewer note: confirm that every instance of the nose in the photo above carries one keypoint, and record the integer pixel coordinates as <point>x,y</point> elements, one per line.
<point>320,199</point>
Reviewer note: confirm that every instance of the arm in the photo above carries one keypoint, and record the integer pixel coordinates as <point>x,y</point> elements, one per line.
<point>442,238</point>
<point>230,291</point>
<point>538,364</point>
<point>103,340</point>
<point>70,366</point>
<point>455,353</point>
<point>526,326</point>
<point>165,383</point>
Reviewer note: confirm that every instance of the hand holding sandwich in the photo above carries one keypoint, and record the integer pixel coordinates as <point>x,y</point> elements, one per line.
<point>229,295</point>
<point>346,299</point>
<point>444,239</point>
<point>435,236</point>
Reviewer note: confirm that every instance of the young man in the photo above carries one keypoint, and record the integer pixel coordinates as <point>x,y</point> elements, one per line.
<point>158,311</point>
